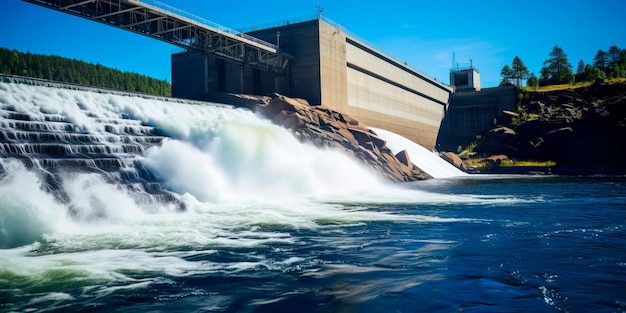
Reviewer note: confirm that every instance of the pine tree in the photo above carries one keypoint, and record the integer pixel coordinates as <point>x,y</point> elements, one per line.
<point>76,71</point>
<point>520,70</point>
<point>557,67</point>
<point>533,81</point>
<point>599,60</point>
<point>613,55</point>
<point>581,67</point>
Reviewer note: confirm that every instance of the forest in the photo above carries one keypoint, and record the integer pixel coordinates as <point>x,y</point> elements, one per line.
<point>79,72</point>
<point>557,69</point>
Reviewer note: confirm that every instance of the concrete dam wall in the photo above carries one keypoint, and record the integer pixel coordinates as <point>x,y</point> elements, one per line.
<point>332,67</point>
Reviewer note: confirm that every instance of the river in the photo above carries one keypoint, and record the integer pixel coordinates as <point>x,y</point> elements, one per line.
<point>271,225</point>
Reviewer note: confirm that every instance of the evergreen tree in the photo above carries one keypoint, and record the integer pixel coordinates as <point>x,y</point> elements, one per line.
<point>599,60</point>
<point>507,75</point>
<point>79,72</point>
<point>557,67</point>
<point>533,81</point>
<point>505,82</point>
<point>613,55</point>
<point>592,73</point>
<point>581,67</point>
<point>516,72</point>
<point>520,70</point>
<point>618,71</point>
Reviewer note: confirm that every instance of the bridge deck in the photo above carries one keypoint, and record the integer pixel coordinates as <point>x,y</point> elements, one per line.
<point>160,21</point>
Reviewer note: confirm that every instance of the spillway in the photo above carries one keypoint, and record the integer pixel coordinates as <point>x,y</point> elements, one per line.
<point>428,161</point>
<point>57,133</point>
<point>157,149</point>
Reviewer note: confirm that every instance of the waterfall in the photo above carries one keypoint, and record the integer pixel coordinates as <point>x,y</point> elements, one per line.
<point>59,132</point>
<point>109,166</point>
<point>106,194</point>
<point>163,148</point>
<point>427,161</point>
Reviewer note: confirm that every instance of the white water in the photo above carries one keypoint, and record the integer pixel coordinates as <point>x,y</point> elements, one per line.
<point>427,161</point>
<point>239,176</point>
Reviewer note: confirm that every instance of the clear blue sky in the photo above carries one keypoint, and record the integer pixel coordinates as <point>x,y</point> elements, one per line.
<point>422,33</point>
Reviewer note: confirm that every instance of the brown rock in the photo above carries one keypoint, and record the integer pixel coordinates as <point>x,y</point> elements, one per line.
<point>502,131</point>
<point>281,103</point>
<point>455,160</point>
<point>405,161</point>
<point>403,157</point>
<point>497,158</point>
<point>363,137</point>
<point>325,127</point>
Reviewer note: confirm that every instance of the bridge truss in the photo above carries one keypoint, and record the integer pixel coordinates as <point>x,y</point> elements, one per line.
<point>160,21</point>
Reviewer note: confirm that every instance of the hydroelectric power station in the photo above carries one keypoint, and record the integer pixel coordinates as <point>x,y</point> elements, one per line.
<point>328,66</point>
<point>314,59</point>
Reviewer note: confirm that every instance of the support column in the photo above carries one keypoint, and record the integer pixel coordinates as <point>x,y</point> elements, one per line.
<point>206,73</point>
<point>241,79</point>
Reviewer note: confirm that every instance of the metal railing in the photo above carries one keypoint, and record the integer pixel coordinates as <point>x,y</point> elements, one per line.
<point>204,22</point>
<point>462,67</point>
<point>275,24</point>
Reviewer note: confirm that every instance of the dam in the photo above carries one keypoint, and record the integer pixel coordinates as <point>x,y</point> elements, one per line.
<point>329,66</point>
<point>314,59</point>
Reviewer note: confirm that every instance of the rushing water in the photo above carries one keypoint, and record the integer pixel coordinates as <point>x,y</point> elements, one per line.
<point>428,161</point>
<point>271,225</point>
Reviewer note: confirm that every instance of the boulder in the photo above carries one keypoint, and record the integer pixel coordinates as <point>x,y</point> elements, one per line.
<point>497,158</point>
<point>403,157</point>
<point>280,103</point>
<point>455,160</point>
<point>324,127</point>
<point>502,131</point>
<point>365,136</point>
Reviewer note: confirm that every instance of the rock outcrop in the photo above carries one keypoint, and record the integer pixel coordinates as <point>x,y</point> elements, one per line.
<point>455,160</point>
<point>581,129</point>
<point>327,128</point>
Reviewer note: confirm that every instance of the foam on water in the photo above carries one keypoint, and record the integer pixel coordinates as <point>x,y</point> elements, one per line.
<point>244,181</point>
<point>231,168</point>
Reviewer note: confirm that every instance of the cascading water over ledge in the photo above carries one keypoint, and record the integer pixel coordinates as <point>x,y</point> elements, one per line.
<point>55,130</point>
<point>159,150</point>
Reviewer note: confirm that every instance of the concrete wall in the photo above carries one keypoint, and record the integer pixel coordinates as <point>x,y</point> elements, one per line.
<point>470,113</point>
<point>386,94</point>
<point>188,75</point>
<point>195,74</point>
<point>301,41</point>
<point>333,69</point>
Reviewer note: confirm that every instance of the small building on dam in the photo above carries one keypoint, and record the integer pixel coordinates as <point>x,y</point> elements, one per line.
<point>329,66</point>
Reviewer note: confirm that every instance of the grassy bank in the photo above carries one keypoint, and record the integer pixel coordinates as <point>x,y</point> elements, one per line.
<point>482,164</point>
<point>569,86</point>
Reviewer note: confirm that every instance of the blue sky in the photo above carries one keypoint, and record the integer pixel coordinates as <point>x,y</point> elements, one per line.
<point>422,33</point>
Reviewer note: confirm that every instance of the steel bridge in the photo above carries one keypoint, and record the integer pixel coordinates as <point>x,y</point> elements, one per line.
<point>166,23</point>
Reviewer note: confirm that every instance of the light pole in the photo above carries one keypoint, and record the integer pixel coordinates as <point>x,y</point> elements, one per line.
<point>319,11</point>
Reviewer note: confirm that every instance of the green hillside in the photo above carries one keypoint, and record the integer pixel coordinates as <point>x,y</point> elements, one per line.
<point>79,72</point>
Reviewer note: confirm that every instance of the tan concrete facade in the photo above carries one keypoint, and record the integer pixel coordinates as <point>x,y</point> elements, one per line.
<point>333,70</point>
<point>378,91</point>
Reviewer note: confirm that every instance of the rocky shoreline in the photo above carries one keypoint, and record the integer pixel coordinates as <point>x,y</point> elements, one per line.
<point>327,128</point>
<point>582,130</point>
